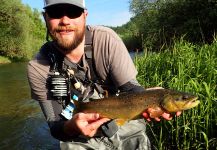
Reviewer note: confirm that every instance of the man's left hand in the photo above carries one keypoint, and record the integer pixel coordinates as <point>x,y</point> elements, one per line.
<point>165,115</point>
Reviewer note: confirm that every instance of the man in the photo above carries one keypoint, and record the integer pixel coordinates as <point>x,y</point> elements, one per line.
<point>80,63</point>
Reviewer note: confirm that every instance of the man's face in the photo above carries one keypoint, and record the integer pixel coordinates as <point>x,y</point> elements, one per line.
<point>66,25</point>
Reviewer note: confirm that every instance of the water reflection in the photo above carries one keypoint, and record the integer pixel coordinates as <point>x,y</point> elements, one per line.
<point>22,125</point>
<point>133,55</point>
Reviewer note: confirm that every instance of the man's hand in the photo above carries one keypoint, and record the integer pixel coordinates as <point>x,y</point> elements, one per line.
<point>165,115</point>
<point>85,124</point>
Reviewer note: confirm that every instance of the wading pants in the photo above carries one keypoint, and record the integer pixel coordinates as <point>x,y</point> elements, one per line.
<point>130,136</point>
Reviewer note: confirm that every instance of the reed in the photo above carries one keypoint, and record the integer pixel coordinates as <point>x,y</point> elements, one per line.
<point>190,68</point>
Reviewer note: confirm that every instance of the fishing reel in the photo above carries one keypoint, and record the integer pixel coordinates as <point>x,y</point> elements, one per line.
<point>59,86</point>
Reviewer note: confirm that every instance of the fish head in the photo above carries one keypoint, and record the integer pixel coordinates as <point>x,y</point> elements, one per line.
<point>177,101</point>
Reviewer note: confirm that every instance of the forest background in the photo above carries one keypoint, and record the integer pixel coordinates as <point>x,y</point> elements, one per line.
<point>154,26</point>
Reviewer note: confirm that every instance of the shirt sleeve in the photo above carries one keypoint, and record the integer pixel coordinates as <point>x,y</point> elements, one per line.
<point>131,86</point>
<point>112,57</point>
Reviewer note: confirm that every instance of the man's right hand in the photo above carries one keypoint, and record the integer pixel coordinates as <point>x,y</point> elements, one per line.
<point>86,124</point>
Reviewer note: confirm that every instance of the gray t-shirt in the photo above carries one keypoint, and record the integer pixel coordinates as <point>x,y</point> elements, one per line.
<point>112,62</point>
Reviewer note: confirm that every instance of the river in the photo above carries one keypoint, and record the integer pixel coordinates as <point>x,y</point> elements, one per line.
<point>22,125</point>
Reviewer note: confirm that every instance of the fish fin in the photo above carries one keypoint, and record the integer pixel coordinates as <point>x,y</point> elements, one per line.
<point>77,105</point>
<point>75,102</point>
<point>106,94</point>
<point>120,122</point>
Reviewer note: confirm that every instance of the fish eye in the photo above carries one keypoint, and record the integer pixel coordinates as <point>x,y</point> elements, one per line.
<point>178,98</point>
<point>185,97</point>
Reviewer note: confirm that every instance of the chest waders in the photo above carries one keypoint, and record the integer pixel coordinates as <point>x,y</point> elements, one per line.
<point>75,81</point>
<point>66,80</point>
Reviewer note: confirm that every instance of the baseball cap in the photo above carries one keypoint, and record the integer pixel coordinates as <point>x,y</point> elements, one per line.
<point>79,3</point>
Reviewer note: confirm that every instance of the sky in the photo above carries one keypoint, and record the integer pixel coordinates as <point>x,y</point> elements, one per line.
<point>100,12</point>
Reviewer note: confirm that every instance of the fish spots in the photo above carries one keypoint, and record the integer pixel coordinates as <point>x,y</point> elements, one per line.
<point>130,106</point>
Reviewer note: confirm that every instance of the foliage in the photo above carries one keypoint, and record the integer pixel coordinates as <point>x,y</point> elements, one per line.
<point>4,60</point>
<point>130,35</point>
<point>159,22</point>
<point>21,30</point>
<point>195,18</point>
<point>191,68</point>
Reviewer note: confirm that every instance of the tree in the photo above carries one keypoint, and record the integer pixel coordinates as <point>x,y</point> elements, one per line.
<point>21,30</point>
<point>159,22</point>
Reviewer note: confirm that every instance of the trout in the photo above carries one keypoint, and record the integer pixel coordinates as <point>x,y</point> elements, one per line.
<point>130,106</point>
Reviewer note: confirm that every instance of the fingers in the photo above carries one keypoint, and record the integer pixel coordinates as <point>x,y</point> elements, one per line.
<point>89,123</point>
<point>87,117</point>
<point>166,116</point>
<point>146,116</point>
<point>178,113</point>
<point>157,119</point>
<point>93,127</point>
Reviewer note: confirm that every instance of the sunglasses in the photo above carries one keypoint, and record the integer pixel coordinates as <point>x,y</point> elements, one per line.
<point>57,12</point>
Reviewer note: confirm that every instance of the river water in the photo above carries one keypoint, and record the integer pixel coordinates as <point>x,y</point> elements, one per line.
<point>22,125</point>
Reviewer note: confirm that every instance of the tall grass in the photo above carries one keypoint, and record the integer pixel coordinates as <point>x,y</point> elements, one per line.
<point>190,68</point>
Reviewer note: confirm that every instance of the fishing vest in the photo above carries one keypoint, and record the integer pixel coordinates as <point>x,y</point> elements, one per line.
<point>80,81</point>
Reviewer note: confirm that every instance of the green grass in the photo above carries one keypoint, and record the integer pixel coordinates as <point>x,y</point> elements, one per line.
<point>190,68</point>
<point>4,60</point>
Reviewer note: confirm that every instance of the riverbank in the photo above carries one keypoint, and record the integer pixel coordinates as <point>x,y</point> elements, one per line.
<point>4,60</point>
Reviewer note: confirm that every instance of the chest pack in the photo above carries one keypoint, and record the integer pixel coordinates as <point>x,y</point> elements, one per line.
<point>66,79</point>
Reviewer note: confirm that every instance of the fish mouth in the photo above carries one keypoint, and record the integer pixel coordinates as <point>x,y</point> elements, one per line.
<point>192,103</point>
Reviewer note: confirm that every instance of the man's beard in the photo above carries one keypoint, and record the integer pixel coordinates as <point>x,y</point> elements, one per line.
<point>68,44</point>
